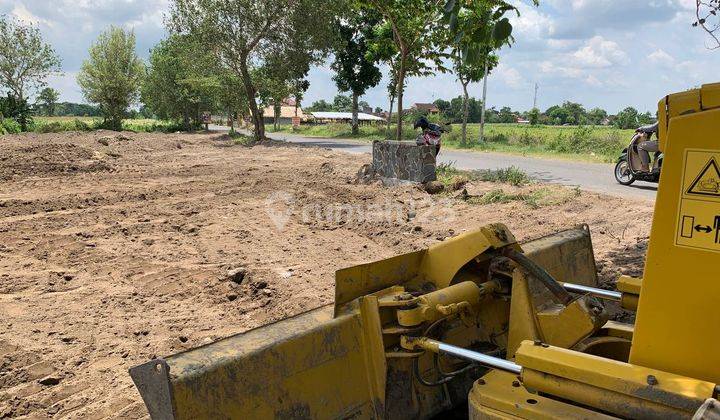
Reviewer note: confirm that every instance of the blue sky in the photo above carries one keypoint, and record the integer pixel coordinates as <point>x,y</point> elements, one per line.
<point>606,53</point>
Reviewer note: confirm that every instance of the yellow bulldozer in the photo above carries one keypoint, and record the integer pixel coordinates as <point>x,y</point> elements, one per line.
<point>484,327</point>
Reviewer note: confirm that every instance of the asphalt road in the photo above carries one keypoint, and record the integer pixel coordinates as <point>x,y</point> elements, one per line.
<point>597,177</point>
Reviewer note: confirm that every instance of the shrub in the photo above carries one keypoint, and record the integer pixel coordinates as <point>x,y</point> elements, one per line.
<point>524,138</point>
<point>512,175</point>
<point>10,126</point>
<point>499,196</point>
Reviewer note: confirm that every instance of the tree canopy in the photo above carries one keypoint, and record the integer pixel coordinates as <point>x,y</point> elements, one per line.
<point>355,70</point>
<point>111,76</point>
<point>47,99</point>
<point>26,60</point>
<point>245,35</point>
<point>180,81</point>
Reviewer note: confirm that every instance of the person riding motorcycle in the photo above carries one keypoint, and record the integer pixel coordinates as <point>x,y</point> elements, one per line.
<point>647,146</point>
<point>431,133</point>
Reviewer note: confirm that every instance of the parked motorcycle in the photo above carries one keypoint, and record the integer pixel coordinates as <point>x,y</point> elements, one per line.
<point>430,135</point>
<point>629,166</point>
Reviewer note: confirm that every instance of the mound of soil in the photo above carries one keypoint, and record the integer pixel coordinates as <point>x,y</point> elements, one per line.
<point>41,160</point>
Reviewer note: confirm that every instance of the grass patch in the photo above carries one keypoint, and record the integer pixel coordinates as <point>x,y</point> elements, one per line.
<point>512,175</point>
<point>593,143</point>
<point>61,124</point>
<point>240,139</point>
<point>366,132</point>
<point>541,197</point>
<point>454,178</point>
<point>589,143</point>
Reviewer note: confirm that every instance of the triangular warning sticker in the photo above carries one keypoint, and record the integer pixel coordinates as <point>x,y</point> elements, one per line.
<point>708,181</point>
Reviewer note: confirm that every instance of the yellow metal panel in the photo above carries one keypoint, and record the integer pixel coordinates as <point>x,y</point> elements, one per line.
<point>567,256</point>
<point>300,367</point>
<point>499,395</point>
<point>443,260</point>
<point>565,326</point>
<point>684,103</point>
<point>711,95</point>
<point>629,284</point>
<point>374,351</point>
<point>672,390</point>
<point>677,315</point>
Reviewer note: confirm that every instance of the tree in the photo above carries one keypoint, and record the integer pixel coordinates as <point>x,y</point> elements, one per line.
<point>476,28</point>
<point>627,118</point>
<point>245,34</point>
<point>707,17</point>
<point>576,113</point>
<point>17,109</point>
<point>47,99</point>
<point>342,103</point>
<point>558,115</point>
<point>111,76</point>
<point>25,59</point>
<point>179,81</point>
<point>596,116</point>
<point>354,71</point>
<point>442,105</point>
<point>534,116</point>
<point>646,118</point>
<point>320,106</point>
<point>506,115</point>
<point>413,25</point>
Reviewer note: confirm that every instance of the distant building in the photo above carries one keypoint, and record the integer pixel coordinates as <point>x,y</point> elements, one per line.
<point>287,112</point>
<point>428,108</point>
<point>521,120</point>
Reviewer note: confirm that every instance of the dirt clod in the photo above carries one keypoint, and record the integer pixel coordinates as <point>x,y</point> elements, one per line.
<point>434,187</point>
<point>236,275</point>
<point>50,380</point>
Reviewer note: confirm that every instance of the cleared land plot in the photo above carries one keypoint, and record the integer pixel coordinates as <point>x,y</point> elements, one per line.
<point>113,254</point>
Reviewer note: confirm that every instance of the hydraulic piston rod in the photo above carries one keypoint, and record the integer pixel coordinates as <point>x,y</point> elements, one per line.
<point>600,293</point>
<point>461,353</point>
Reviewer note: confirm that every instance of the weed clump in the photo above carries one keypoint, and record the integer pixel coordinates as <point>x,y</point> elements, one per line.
<point>512,175</point>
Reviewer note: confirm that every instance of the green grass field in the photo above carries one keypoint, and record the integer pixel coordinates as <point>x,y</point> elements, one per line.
<point>57,124</point>
<point>590,143</point>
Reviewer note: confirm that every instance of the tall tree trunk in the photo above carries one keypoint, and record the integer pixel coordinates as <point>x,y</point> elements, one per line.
<point>355,129</point>
<point>389,118</point>
<point>276,115</point>
<point>466,112</point>
<point>257,117</point>
<point>186,121</point>
<point>399,93</point>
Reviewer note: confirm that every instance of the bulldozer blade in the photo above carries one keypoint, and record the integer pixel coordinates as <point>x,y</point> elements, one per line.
<point>331,362</point>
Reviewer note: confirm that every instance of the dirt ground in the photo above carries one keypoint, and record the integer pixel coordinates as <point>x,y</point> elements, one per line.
<point>115,249</point>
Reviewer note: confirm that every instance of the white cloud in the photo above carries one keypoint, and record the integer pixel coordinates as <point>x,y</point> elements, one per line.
<point>22,13</point>
<point>509,76</point>
<point>599,52</point>
<point>531,24</point>
<point>659,56</point>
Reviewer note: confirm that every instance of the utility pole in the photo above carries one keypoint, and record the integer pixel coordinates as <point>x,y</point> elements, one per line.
<point>535,98</point>
<point>482,106</point>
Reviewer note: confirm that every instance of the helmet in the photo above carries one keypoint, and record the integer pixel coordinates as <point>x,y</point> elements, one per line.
<point>421,122</point>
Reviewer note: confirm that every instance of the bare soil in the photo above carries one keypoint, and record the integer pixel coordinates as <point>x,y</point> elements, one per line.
<point>113,254</point>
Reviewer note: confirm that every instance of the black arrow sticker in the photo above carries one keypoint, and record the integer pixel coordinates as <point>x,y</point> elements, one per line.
<point>701,228</point>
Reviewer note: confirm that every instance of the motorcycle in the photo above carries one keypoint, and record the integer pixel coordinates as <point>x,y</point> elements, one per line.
<point>430,135</point>
<point>629,166</point>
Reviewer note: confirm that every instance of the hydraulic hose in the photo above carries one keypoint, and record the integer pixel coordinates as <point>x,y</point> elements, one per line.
<point>539,273</point>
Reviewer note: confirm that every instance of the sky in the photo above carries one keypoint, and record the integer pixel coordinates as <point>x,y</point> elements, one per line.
<point>600,53</point>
